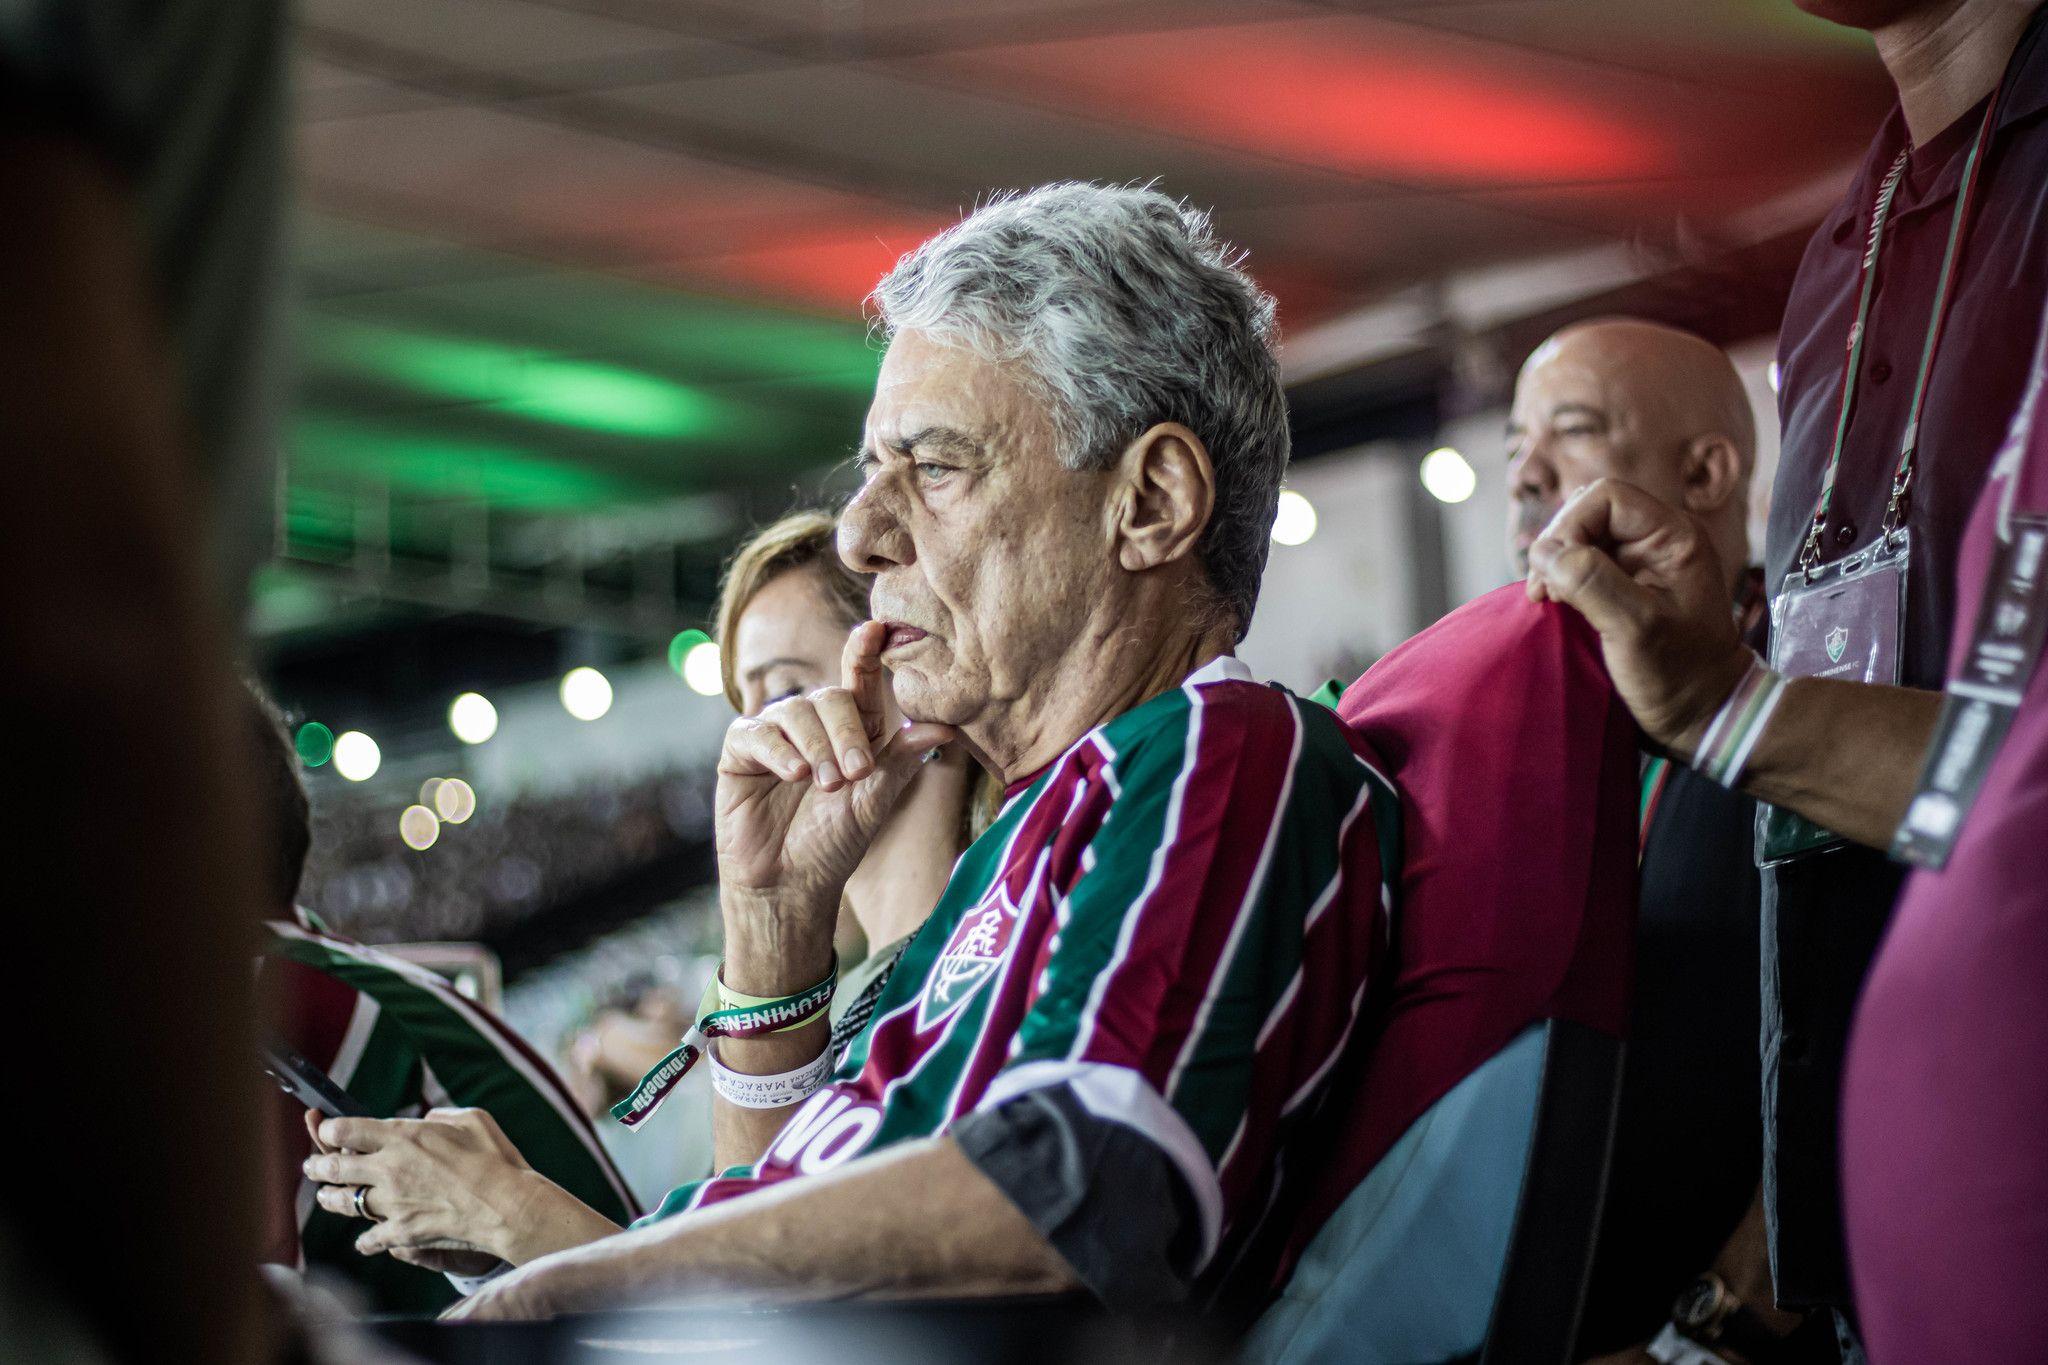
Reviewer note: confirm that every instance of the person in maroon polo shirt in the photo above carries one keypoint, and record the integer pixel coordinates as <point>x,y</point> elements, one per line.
<point>1945,1179</point>
<point>1965,156</point>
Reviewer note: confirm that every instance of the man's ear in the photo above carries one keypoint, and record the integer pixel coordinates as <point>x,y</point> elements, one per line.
<point>1711,475</point>
<point>1168,490</point>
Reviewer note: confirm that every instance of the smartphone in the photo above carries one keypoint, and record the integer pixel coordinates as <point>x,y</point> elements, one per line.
<point>307,1083</point>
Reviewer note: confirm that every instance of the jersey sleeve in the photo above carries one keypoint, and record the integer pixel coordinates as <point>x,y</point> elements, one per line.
<point>1214,948</point>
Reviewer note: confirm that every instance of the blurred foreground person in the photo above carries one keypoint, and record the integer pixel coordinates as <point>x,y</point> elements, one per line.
<point>1085,1069</point>
<point>139,258</point>
<point>399,1040</point>
<point>1930,275</point>
<point>1944,1174</point>
<point>1664,409</point>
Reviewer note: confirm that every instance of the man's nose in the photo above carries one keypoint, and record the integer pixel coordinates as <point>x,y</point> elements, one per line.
<point>1531,474</point>
<point>871,535</point>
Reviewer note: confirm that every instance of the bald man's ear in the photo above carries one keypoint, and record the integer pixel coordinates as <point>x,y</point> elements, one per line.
<point>1713,475</point>
<point>1167,491</point>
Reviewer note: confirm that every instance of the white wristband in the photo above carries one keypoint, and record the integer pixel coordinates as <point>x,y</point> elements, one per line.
<point>770,1092</point>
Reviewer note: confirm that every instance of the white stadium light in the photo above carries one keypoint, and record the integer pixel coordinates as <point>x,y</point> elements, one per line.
<point>703,669</point>
<point>419,827</point>
<point>586,693</point>
<point>472,718</point>
<point>356,756</point>
<point>455,800</point>
<point>1294,520</point>
<point>1446,475</point>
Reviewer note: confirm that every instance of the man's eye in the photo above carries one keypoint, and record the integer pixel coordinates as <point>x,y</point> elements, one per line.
<point>927,470</point>
<point>784,695</point>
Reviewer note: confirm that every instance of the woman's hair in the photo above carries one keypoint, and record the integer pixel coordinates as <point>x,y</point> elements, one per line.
<point>801,540</point>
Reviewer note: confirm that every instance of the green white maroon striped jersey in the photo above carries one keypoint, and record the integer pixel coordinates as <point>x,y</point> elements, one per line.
<point>401,1041</point>
<point>1179,920</point>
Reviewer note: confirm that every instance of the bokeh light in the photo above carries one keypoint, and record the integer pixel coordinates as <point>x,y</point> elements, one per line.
<point>419,827</point>
<point>356,756</point>
<point>586,693</point>
<point>679,648</point>
<point>472,718</point>
<point>427,790</point>
<point>455,800</point>
<point>1294,520</point>
<point>1447,476</point>
<point>702,669</point>
<point>315,743</point>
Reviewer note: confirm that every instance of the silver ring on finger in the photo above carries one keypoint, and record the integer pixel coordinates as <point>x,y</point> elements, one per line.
<point>361,1199</point>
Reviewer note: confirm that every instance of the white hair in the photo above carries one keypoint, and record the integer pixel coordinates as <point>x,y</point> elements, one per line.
<point>1126,311</point>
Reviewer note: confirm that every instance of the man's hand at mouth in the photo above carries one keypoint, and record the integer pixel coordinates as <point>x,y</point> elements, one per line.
<point>803,789</point>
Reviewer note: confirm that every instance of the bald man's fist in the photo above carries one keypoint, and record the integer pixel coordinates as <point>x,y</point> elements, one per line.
<point>1647,578</point>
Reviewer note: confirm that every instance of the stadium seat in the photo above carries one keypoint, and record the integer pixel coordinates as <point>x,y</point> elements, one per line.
<point>1472,1239</point>
<point>1457,1197</point>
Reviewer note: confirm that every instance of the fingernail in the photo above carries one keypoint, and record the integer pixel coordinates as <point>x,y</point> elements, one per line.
<point>828,774</point>
<point>857,762</point>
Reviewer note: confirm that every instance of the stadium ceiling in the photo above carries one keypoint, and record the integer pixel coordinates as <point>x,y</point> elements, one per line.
<point>567,257</point>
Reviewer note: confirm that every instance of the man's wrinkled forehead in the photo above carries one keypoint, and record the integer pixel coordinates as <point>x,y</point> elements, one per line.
<point>945,399</point>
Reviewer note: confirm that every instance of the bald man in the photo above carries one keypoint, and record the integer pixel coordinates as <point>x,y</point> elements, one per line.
<point>1664,409</point>
<point>1628,399</point>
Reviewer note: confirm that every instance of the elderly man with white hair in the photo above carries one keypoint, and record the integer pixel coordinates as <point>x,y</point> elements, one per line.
<point>1088,1066</point>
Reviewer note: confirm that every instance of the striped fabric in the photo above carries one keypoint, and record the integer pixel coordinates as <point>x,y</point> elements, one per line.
<point>1179,919</point>
<point>401,1041</point>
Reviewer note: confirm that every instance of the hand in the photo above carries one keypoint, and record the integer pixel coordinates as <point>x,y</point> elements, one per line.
<point>804,787</point>
<point>449,1182</point>
<point>441,1260</point>
<point>1647,578</point>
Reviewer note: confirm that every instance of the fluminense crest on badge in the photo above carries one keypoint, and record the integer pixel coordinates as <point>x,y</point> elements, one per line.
<point>972,955</point>
<point>1837,643</point>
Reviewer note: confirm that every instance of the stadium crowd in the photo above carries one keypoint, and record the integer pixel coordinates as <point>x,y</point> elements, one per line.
<point>1051,955</point>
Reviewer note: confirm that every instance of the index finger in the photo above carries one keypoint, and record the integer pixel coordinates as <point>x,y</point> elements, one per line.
<point>1609,513</point>
<point>357,1135</point>
<point>860,672</point>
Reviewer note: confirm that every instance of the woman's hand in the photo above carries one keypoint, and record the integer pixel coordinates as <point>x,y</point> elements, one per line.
<point>447,1183</point>
<point>803,788</point>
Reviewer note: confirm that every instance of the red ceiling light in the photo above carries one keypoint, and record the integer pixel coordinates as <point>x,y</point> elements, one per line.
<point>835,268</point>
<point>1335,94</point>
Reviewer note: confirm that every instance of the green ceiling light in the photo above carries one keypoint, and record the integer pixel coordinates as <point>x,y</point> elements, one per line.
<point>315,743</point>
<point>571,392</point>
<point>426,464</point>
<point>606,398</point>
<point>680,647</point>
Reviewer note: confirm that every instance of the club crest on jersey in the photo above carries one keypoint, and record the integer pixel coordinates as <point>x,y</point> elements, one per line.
<point>972,955</point>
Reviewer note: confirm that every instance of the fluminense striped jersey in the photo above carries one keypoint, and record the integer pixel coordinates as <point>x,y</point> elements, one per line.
<point>1180,919</point>
<point>401,1041</point>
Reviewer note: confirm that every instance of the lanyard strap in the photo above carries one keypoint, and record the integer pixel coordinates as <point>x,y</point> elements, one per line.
<point>1880,215</point>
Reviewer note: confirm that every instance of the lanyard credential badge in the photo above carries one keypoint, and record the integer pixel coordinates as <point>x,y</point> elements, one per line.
<point>1839,620</point>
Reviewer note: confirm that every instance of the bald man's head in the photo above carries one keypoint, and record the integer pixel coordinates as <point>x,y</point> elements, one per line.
<point>1627,399</point>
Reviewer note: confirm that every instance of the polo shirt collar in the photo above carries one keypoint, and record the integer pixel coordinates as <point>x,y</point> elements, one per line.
<point>2026,95</point>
